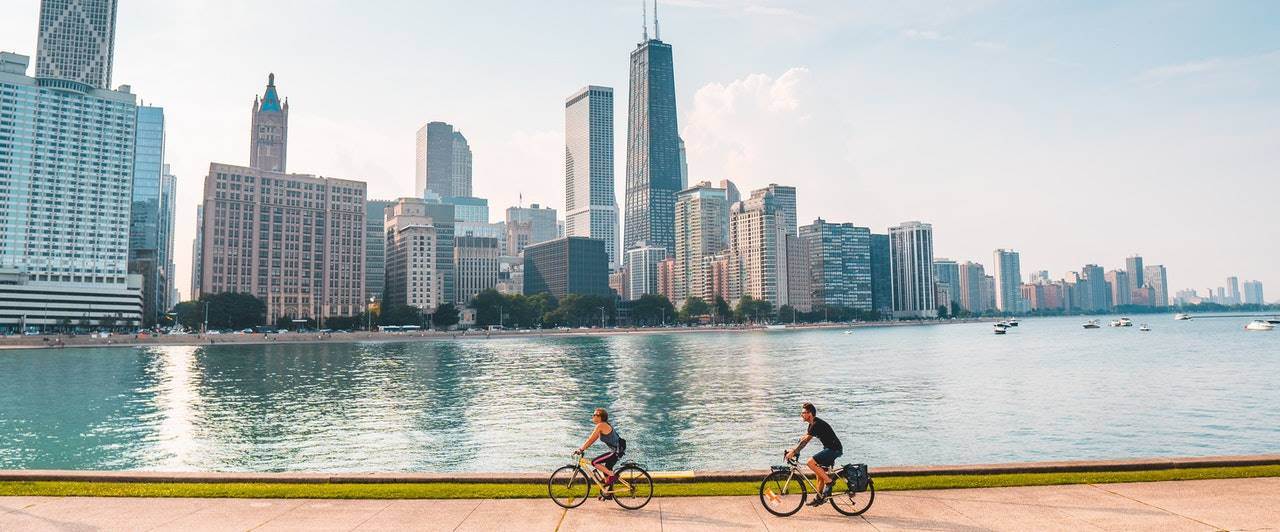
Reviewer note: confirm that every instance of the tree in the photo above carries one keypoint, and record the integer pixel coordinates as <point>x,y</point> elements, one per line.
<point>188,314</point>
<point>722,309</point>
<point>754,310</point>
<point>488,306</point>
<point>652,309</point>
<point>943,313</point>
<point>400,315</point>
<point>694,308</point>
<point>445,316</point>
<point>580,309</point>
<point>232,310</point>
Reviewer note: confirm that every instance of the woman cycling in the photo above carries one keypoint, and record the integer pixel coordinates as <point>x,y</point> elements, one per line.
<point>605,433</point>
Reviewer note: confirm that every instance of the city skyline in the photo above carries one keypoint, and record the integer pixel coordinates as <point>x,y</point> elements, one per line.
<point>1160,231</point>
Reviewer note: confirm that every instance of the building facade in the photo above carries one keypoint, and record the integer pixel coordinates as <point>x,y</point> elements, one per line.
<point>1155,277</point>
<point>970,276</point>
<point>881,275</point>
<point>66,173</point>
<point>269,136</point>
<point>1253,293</point>
<point>76,41</point>
<point>642,269</point>
<point>1118,284</point>
<point>295,241</point>
<point>785,195</point>
<point>375,248</point>
<point>1008,280</point>
<point>413,275</point>
<point>840,271</point>
<point>702,229</point>
<point>758,250</point>
<point>570,265</point>
<point>946,277</point>
<point>475,266</point>
<point>911,260</point>
<point>442,161</point>
<point>468,209</point>
<point>653,147</point>
<point>799,274</point>
<point>197,262</point>
<point>148,254</point>
<point>590,204</point>
<point>532,224</point>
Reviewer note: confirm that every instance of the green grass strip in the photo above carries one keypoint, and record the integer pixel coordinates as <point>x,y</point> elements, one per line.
<point>516,491</point>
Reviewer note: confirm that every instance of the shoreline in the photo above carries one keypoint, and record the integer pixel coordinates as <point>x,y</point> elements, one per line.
<point>65,341</point>
<point>693,476</point>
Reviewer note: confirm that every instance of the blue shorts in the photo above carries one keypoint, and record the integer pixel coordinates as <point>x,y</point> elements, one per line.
<point>826,457</point>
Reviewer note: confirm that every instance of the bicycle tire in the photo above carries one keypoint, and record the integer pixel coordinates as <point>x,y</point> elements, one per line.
<point>641,487</point>
<point>854,506</point>
<point>569,487</point>
<point>781,484</point>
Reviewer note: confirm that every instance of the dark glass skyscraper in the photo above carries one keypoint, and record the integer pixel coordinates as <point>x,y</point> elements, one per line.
<point>653,148</point>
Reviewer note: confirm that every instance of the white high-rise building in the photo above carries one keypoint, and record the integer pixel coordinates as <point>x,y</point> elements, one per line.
<point>642,268</point>
<point>1008,280</point>
<point>65,205</point>
<point>591,207</point>
<point>413,276</point>
<point>911,261</point>
<point>77,41</point>
<point>758,249</point>
<point>702,229</point>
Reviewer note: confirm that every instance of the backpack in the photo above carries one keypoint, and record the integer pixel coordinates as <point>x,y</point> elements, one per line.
<point>622,446</point>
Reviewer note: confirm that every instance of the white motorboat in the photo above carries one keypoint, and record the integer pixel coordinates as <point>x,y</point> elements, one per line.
<point>1182,316</point>
<point>1122,322</point>
<point>1144,328</point>
<point>1001,328</point>
<point>1013,322</point>
<point>1092,324</point>
<point>1273,321</point>
<point>1259,325</point>
<point>848,332</point>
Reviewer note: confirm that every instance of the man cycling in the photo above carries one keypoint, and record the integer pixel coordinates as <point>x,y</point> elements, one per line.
<point>608,436</point>
<point>831,449</point>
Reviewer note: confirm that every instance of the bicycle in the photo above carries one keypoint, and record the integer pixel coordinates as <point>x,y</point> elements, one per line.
<point>570,485</point>
<point>787,488</point>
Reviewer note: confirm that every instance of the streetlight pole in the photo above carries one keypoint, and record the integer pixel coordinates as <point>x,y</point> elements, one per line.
<point>205,330</point>
<point>602,317</point>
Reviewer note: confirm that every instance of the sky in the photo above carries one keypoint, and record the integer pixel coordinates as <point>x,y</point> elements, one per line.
<point>1074,132</point>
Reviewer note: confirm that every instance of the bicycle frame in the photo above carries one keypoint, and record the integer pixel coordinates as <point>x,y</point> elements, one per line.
<point>595,474</point>
<point>796,471</point>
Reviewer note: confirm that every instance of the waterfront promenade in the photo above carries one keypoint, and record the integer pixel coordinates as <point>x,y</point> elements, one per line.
<point>1229,504</point>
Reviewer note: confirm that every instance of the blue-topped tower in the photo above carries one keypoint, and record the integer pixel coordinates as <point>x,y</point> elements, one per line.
<point>653,145</point>
<point>269,139</point>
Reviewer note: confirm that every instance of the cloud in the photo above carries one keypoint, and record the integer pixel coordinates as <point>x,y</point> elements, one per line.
<point>1206,66</point>
<point>924,35</point>
<point>989,45</point>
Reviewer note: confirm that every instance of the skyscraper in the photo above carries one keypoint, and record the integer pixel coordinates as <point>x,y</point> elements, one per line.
<point>442,165</point>
<point>475,266</point>
<point>413,273</point>
<point>970,281</point>
<point>76,41</point>
<point>375,248</point>
<point>799,274</point>
<point>168,199</point>
<point>653,146</point>
<point>946,276</point>
<point>590,204</point>
<point>529,225</point>
<point>839,256</point>
<point>66,170</point>
<point>1008,280</point>
<point>1093,286</point>
<point>1118,283</point>
<point>197,262</point>
<point>881,275</point>
<point>1154,277</point>
<point>911,260</point>
<point>461,166</point>
<point>1233,290</point>
<point>786,197</point>
<point>1253,293</point>
<point>147,256</point>
<point>570,265</point>
<point>1133,267</point>
<point>269,136</point>
<point>702,229</point>
<point>758,249</point>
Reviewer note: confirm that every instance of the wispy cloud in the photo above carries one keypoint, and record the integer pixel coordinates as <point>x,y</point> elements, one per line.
<point>924,35</point>
<point>989,45</point>
<point>1207,66</point>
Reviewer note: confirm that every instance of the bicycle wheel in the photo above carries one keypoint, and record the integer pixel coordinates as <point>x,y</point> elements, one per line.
<point>569,486</point>
<point>633,488</point>
<point>845,501</point>
<point>783,493</point>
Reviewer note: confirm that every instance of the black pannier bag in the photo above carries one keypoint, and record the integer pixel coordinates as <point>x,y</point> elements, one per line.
<point>857,476</point>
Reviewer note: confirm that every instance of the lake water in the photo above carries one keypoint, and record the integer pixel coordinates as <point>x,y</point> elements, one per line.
<point>947,394</point>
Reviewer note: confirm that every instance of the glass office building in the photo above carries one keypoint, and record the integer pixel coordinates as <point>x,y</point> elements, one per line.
<point>653,148</point>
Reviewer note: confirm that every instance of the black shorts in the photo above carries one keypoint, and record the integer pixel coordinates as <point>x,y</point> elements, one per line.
<point>607,460</point>
<point>827,457</point>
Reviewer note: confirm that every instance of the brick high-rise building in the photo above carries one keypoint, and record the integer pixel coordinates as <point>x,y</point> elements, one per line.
<point>295,241</point>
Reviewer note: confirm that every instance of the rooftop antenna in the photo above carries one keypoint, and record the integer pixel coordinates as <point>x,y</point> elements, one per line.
<point>657,33</point>
<point>644,17</point>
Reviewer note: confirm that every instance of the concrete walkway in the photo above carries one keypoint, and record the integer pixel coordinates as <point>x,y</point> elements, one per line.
<point>1239,504</point>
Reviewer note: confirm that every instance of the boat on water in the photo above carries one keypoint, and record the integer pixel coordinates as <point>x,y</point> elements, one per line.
<point>1259,325</point>
<point>1182,316</point>
<point>1273,321</point>
<point>1122,322</point>
<point>848,332</point>
<point>775,327</point>
<point>1013,322</point>
<point>1092,324</point>
<point>1144,328</point>
<point>1001,328</point>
